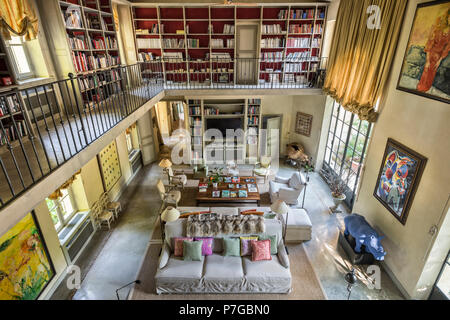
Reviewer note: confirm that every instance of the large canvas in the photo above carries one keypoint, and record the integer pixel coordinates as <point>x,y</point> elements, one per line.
<point>398,178</point>
<point>110,166</point>
<point>426,65</point>
<point>25,266</point>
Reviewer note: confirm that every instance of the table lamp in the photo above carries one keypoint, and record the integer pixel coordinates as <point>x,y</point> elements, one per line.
<point>166,164</point>
<point>170,214</point>
<point>280,207</point>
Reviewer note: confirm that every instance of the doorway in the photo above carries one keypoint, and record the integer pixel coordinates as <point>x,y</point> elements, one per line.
<point>246,53</point>
<point>271,138</point>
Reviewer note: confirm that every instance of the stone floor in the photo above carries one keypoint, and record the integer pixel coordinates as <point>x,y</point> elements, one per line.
<point>113,257</point>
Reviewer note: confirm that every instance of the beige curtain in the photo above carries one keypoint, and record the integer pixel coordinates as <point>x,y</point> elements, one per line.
<point>18,17</point>
<point>57,193</point>
<point>361,57</point>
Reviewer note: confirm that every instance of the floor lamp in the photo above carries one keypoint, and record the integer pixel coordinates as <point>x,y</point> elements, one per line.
<point>165,164</point>
<point>169,214</point>
<point>280,207</point>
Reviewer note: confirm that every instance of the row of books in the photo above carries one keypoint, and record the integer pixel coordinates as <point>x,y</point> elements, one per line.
<point>302,14</point>
<point>13,105</point>
<point>272,56</point>
<point>253,110</point>
<point>298,56</point>
<point>154,29</point>
<point>291,78</point>
<point>271,28</point>
<point>148,43</point>
<point>72,18</point>
<point>193,43</point>
<point>253,120</point>
<point>81,62</point>
<point>195,111</point>
<point>98,43</point>
<point>210,111</point>
<point>227,28</point>
<point>283,14</point>
<point>229,194</point>
<point>298,43</point>
<point>9,133</point>
<point>196,131</point>
<point>145,56</point>
<point>254,101</point>
<point>301,28</point>
<point>173,43</point>
<point>273,42</point>
<point>111,42</point>
<point>294,67</point>
<point>222,43</point>
<point>195,121</point>
<point>78,42</point>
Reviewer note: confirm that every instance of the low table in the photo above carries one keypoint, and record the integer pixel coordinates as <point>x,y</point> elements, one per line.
<point>224,186</point>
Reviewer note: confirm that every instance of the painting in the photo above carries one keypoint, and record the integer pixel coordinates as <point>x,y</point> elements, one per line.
<point>25,265</point>
<point>303,124</point>
<point>108,159</point>
<point>399,176</point>
<point>426,64</point>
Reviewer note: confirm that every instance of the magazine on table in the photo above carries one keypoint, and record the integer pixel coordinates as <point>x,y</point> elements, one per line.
<point>242,194</point>
<point>225,194</point>
<point>233,194</point>
<point>216,194</point>
<point>231,186</point>
<point>252,189</point>
<point>235,179</point>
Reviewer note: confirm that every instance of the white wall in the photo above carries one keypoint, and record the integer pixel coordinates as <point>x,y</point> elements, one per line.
<point>422,125</point>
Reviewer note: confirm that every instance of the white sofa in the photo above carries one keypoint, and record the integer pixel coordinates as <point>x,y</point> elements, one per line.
<point>221,274</point>
<point>287,189</point>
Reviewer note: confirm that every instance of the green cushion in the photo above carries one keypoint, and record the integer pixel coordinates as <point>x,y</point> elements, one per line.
<point>260,171</point>
<point>231,247</point>
<point>273,242</point>
<point>192,250</point>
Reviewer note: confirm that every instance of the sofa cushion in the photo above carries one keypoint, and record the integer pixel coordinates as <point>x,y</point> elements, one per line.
<point>266,270</point>
<point>231,247</point>
<point>275,186</point>
<point>178,245</point>
<point>177,269</point>
<point>260,250</point>
<point>192,250</point>
<point>246,248</point>
<point>223,267</point>
<point>273,242</point>
<point>225,210</point>
<point>207,246</point>
<point>295,182</point>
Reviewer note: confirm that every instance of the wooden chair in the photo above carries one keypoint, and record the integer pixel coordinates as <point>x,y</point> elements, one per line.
<point>169,197</point>
<point>176,180</point>
<point>101,215</point>
<point>114,206</point>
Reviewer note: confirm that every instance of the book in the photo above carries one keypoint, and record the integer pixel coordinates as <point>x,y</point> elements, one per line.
<point>241,186</point>
<point>231,186</point>
<point>227,179</point>
<point>203,185</point>
<point>235,180</point>
<point>225,194</point>
<point>216,194</point>
<point>251,185</point>
<point>233,194</point>
<point>252,189</point>
<point>242,194</point>
<point>202,189</point>
<point>250,180</point>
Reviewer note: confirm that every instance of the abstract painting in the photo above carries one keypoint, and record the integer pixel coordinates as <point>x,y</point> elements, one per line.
<point>25,266</point>
<point>426,65</point>
<point>398,178</point>
<point>108,159</point>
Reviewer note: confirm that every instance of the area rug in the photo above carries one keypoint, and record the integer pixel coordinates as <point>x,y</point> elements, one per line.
<point>305,284</point>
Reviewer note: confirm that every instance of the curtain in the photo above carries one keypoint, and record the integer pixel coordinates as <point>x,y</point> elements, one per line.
<point>57,193</point>
<point>361,57</point>
<point>18,17</point>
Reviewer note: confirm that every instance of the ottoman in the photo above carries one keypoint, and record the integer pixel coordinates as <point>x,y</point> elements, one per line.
<point>299,226</point>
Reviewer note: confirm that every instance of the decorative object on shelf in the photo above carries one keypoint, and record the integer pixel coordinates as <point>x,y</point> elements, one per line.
<point>351,279</point>
<point>108,159</point>
<point>303,124</point>
<point>280,207</point>
<point>337,187</point>
<point>357,226</point>
<point>398,179</point>
<point>425,63</point>
<point>25,265</point>
<point>7,81</point>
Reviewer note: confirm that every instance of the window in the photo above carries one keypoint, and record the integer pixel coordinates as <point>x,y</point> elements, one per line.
<point>20,57</point>
<point>346,148</point>
<point>62,209</point>
<point>129,141</point>
<point>443,280</point>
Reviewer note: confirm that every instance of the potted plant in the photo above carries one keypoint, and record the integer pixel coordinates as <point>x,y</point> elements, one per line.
<point>337,187</point>
<point>214,177</point>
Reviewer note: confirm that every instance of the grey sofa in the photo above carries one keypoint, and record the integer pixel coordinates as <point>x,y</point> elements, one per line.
<point>222,274</point>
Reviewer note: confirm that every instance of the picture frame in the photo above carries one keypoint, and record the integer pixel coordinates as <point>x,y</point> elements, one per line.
<point>23,249</point>
<point>423,73</point>
<point>109,163</point>
<point>399,176</point>
<point>303,124</point>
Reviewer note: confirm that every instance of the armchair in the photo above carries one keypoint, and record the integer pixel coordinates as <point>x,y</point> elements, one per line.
<point>262,168</point>
<point>179,180</point>
<point>169,197</point>
<point>287,189</point>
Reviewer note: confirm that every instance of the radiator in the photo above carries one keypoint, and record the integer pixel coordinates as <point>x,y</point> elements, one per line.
<point>77,235</point>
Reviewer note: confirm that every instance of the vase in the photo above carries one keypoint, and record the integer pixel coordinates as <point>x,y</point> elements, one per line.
<point>337,201</point>
<point>215,185</point>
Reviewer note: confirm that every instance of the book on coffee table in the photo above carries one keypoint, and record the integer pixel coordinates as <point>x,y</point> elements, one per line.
<point>252,189</point>
<point>233,194</point>
<point>216,194</point>
<point>231,186</point>
<point>203,185</point>
<point>227,179</point>
<point>241,186</point>
<point>242,194</point>
<point>225,193</point>
<point>251,185</point>
<point>202,189</point>
<point>235,179</point>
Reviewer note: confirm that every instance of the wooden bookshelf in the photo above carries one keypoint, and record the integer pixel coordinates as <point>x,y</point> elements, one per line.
<point>195,116</point>
<point>5,68</point>
<point>253,120</point>
<point>12,120</point>
<point>289,45</point>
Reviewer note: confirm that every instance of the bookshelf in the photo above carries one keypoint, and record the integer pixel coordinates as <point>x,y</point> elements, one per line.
<point>12,120</point>
<point>253,125</point>
<point>199,40</point>
<point>6,70</point>
<point>195,109</point>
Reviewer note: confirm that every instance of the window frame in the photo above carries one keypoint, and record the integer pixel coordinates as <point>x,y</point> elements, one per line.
<point>60,209</point>
<point>18,75</point>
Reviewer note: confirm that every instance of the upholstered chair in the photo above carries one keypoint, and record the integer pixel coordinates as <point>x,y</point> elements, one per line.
<point>179,180</point>
<point>287,189</point>
<point>169,197</point>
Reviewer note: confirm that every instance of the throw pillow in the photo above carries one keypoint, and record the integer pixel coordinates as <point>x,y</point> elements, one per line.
<point>246,249</point>
<point>187,214</point>
<point>178,245</point>
<point>249,210</point>
<point>261,250</point>
<point>207,246</point>
<point>192,250</point>
<point>231,247</point>
<point>295,182</point>
<point>273,242</point>
<point>256,213</point>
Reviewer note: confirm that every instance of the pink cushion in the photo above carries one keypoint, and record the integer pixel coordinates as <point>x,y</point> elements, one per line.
<point>260,250</point>
<point>178,245</point>
<point>206,246</point>
<point>246,249</point>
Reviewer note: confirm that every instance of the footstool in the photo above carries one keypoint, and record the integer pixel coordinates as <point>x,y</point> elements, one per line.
<point>299,226</point>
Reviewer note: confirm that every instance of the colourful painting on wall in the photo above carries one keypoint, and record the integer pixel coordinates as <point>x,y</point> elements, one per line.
<point>398,178</point>
<point>426,65</point>
<point>25,266</point>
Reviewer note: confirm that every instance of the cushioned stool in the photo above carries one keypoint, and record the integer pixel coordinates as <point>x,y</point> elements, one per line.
<point>298,227</point>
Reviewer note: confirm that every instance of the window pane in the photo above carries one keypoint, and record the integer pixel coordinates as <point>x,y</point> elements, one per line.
<point>55,218</point>
<point>15,40</point>
<point>20,59</point>
<point>66,207</point>
<point>444,281</point>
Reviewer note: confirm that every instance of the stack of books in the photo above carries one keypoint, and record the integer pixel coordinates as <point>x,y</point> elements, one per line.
<point>271,29</point>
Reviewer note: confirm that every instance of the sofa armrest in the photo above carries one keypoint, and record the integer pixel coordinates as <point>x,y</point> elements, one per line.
<point>289,193</point>
<point>164,257</point>
<point>282,180</point>
<point>283,256</point>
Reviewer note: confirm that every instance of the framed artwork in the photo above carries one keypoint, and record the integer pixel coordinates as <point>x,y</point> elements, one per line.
<point>303,124</point>
<point>426,64</point>
<point>108,160</point>
<point>399,176</point>
<point>25,265</point>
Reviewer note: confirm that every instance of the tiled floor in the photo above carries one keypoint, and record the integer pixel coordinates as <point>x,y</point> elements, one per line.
<point>117,258</point>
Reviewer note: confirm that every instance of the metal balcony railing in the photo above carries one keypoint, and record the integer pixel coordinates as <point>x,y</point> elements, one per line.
<point>44,126</point>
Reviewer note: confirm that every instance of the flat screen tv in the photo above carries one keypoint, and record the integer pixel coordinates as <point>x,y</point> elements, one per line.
<point>223,124</point>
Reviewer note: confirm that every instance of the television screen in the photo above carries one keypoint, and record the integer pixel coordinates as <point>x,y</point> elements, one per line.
<point>223,124</point>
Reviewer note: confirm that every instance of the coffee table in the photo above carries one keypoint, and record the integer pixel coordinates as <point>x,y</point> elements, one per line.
<point>221,186</point>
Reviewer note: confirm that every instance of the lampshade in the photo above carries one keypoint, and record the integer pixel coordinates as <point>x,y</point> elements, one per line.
<point>170,214</point>
<point>165,163</point>
<point>279,207</point>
